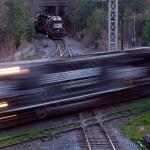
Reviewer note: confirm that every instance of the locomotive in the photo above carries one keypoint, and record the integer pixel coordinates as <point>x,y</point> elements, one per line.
<point>51,25</point>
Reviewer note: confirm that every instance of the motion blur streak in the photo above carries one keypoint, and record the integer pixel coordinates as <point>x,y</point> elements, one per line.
<point>12,71</point>
<point>8,117</point>
<point>3,104</point>
<point>54,88</point>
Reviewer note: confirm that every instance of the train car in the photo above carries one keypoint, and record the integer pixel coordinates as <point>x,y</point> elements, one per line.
<point>51,25</point>
<point>38,90</point>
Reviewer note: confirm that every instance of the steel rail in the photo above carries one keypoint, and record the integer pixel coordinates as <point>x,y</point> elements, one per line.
<point>64,52</point>
<point>84,130</point>
<point>47,129</point>
<point>69,51</point>
<point>101,125</point>
<point>100,122</point>
<point>57,42</point>
<point>59,50</point>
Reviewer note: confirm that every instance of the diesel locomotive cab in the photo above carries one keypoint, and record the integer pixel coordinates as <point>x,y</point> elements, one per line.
<point>51,25</point>
<point>56,27</point>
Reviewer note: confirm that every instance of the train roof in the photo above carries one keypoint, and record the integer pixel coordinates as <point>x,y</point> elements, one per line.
<point>50,17</point>
<point>89,57</point>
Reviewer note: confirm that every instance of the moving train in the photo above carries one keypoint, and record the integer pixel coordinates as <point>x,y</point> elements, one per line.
<point>32,91</point>
<point>51,25</point>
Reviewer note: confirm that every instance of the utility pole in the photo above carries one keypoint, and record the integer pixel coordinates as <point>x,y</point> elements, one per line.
<point>134,33</point>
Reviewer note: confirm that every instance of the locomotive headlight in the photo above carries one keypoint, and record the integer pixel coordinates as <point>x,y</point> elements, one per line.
<point>3,104</point>
<point>12,71</point>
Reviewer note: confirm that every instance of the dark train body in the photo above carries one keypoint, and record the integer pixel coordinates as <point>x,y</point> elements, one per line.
<point>44,89</point>
<point>51,25</point>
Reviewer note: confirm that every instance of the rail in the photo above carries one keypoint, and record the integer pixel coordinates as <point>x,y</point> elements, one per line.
<point>100,121</point>
<point>102,127</point>
<point>84,130</point>
<point>62,49</point>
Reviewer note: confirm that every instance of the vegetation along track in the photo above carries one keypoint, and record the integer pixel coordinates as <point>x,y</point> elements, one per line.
<point>62,50</point>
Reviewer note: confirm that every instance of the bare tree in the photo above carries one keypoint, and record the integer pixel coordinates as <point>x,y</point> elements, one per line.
<point>3,13</point>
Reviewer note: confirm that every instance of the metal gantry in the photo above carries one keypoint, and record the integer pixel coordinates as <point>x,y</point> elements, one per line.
<point>113,25</point>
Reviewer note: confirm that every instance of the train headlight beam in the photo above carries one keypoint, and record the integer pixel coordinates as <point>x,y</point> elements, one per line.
<point>12,71</point>
<point>3,104</point>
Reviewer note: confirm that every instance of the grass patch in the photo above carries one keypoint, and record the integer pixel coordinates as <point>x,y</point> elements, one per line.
<point>140,106</point>
<point>64,128</point>
<point>136,129</point>
<point>16,139</point>
<point>22,138</point>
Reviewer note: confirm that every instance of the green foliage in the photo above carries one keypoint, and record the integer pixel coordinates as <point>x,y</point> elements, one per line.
<point>3,12</point>
<point>82,10</point>
<point>136,6</point>
<point>128,14</point>
<point>97,22</point>
<point>22,138</point>
<point>2,35</point>
<point>128,10</point>
<point>146,32</point>
<point>21,25</point>
<point>132,129</point>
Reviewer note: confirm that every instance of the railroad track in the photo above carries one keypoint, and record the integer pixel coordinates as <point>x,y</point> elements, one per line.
<point>75,126</point>
<point>97,136</point>
<point>62,50</point>
<point>91,137</point>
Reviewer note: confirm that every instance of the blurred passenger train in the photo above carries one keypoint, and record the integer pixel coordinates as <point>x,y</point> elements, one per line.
<point>35,90</point>
<point>51,25</point>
